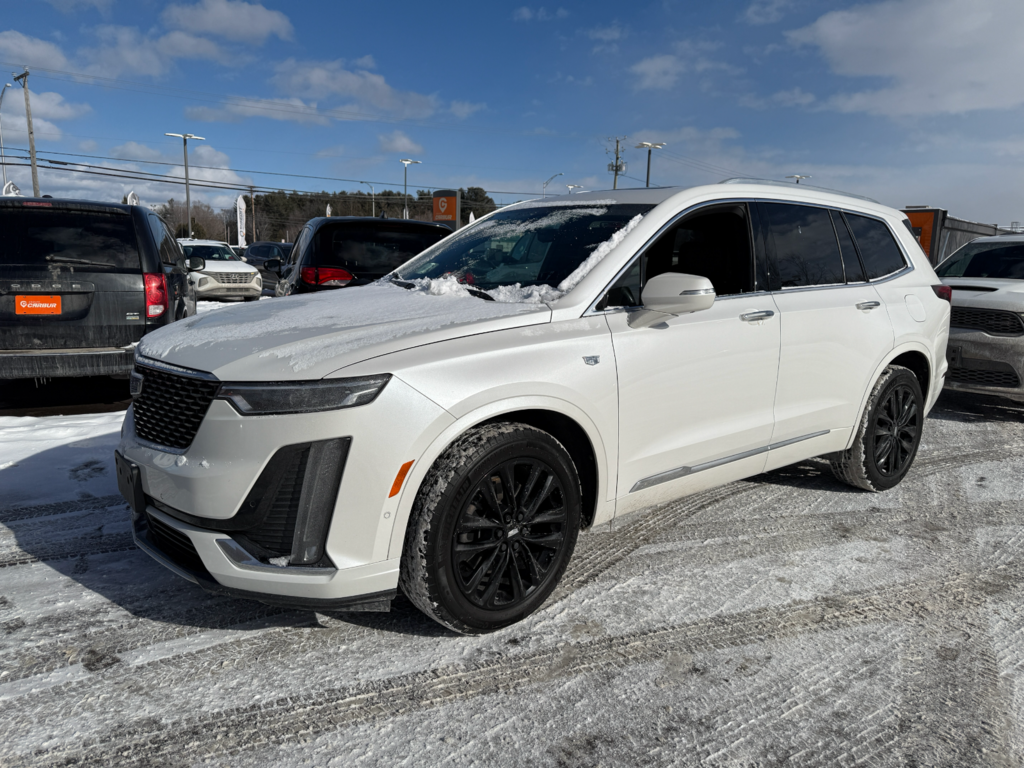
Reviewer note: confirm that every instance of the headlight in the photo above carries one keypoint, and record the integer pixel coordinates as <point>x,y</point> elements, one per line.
<point>258,398</point>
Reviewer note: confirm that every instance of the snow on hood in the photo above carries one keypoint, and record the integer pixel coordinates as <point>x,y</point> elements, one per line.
<point>310,336</point>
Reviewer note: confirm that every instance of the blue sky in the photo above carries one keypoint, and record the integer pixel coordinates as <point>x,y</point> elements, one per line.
<point>907,101</point>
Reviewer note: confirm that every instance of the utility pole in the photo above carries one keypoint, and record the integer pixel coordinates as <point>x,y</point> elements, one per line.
<point>3,159</point>
<point>23,77</point>
<point>252,199</point>
<point>617,167</point>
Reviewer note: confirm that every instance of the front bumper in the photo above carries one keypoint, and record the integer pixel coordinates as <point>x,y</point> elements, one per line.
<point>199,497</point>
<point>60,363</point>
<point>980,363</point>
<point>207,287</point>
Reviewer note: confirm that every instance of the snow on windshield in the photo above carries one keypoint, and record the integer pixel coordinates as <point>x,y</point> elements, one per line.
<point>305,329</point>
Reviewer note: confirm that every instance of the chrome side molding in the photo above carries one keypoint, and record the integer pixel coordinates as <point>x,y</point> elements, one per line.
<point>678,472</point>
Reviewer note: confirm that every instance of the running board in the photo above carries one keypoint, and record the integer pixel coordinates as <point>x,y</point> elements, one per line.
<point>678,472</point>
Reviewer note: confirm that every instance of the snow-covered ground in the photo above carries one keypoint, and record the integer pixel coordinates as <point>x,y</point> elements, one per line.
<point>784,620</point>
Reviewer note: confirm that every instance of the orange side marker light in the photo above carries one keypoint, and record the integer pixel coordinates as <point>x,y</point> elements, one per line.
<point>399,479</point>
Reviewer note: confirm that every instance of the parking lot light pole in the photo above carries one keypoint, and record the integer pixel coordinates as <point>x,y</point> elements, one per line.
<point>648,145</point>
<point>543,189</point>
<point>405,194</point>
<point>373,198</point>
<point>188,199</point>
<point>3,158</point>
<point>23,79</point>
<point>571,187</point>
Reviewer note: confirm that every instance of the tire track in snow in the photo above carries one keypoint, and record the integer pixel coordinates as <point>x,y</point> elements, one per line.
<point>240,729</point>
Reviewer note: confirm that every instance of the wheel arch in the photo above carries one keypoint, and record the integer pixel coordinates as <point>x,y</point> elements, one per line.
<point>564,421</point>
<point>912,355</point>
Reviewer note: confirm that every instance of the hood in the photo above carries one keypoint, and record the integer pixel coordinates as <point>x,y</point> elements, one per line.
<point>313,335</point>
<point>228,266</point>
<point>987,292</point>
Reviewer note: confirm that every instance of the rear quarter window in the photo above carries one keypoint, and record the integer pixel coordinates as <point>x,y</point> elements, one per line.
<point>806,249</point>
<point>878,249</point>
<point>87,240</point>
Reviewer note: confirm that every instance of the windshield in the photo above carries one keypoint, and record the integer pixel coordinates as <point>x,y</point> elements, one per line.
<point>210,252</point>
<point>550,246</point>
<point>373,250</point>
<point>999,260</point>
<point>40,238</point>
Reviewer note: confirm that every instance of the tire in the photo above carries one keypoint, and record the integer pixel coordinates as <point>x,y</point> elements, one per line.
<point>474,562</point>
<point>888,435</point>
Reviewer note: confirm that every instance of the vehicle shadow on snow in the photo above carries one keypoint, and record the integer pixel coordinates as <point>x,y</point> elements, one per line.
<point>88,540</point>
<point>811,475</point>
<point>967,408</point>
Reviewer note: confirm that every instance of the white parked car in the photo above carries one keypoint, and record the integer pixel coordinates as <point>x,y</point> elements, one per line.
<point>559,363</point>
<point>226,275</point>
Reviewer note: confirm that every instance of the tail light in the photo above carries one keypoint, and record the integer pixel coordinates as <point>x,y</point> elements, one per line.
<point>332,277</point>
<point>156,295</point>
<point>943,292</point>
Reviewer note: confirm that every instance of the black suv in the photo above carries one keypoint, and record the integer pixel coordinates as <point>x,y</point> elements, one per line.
<point>81,282</point>
<point>259,253</point>
<point>340,251</point>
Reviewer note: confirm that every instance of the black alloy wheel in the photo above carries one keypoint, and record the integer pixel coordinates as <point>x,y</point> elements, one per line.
<point>509,534</point>
<point>492,528</point>
<point>897,430</point>
<point>888,434</point>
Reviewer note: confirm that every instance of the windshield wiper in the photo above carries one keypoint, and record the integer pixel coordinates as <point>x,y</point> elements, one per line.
<point>72,260</point>
<point>471,291</point>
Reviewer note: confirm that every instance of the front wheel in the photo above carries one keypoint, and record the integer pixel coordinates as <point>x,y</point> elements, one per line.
<point>492,528</point>
<point>888,435</point>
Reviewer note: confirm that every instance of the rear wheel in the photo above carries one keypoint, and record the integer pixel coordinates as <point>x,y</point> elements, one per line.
<point>492,529</point>
<point>888,435</point>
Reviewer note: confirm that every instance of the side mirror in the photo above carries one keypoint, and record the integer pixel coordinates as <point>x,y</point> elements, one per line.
<point>195,263</point>
<point>670,294</point>
<point>242,258</point>
<point>272,264</point>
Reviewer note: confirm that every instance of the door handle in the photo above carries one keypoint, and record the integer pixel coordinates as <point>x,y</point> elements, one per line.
<point>763,314</point>
<point>869,304</point>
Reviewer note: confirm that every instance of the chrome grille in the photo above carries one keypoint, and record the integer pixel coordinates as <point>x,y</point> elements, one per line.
<point>997,322</point>
<point>171,406</point>
<point>232,277</point>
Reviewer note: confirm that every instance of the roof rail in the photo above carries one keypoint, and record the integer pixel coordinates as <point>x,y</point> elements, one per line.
<point>775,183</point>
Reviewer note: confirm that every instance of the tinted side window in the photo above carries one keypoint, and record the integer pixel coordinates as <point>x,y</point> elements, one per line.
<point>300,245</point>
<point>851,261</point>
<point>881,254</point>
<point>806,250</point>
<point>714,244</point>
<point>165,243</point>
<point>372,250</point>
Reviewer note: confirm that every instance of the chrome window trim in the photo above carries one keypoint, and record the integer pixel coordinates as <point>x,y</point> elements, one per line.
<point>592,310</point>
<point>908,262</point>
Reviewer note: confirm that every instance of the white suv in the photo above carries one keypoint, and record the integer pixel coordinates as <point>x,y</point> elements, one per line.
<point>226,275</point>
<point>449,429</point>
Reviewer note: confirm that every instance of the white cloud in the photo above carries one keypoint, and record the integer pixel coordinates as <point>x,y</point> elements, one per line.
<point>48,108</point>
<point>315,80</point>
<point>31,51</point>
<point>607,34</point>
<point>69,6</point>
<point>183,45</point>
<point>400,143</point>
<point>463,109</point>
<point>766,11</point>
<point>133,150</point>
<point>940,57</point>
<point>795,97</point>
<point>525,13</point>
<point>658,72</point>
<point>662,71</point>
<point>124,49</point>
<point>291,110</point>
<point>231,19</point>
<point>365,62</point>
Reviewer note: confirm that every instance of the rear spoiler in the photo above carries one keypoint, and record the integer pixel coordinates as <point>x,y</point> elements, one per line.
<point>63,205</point>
